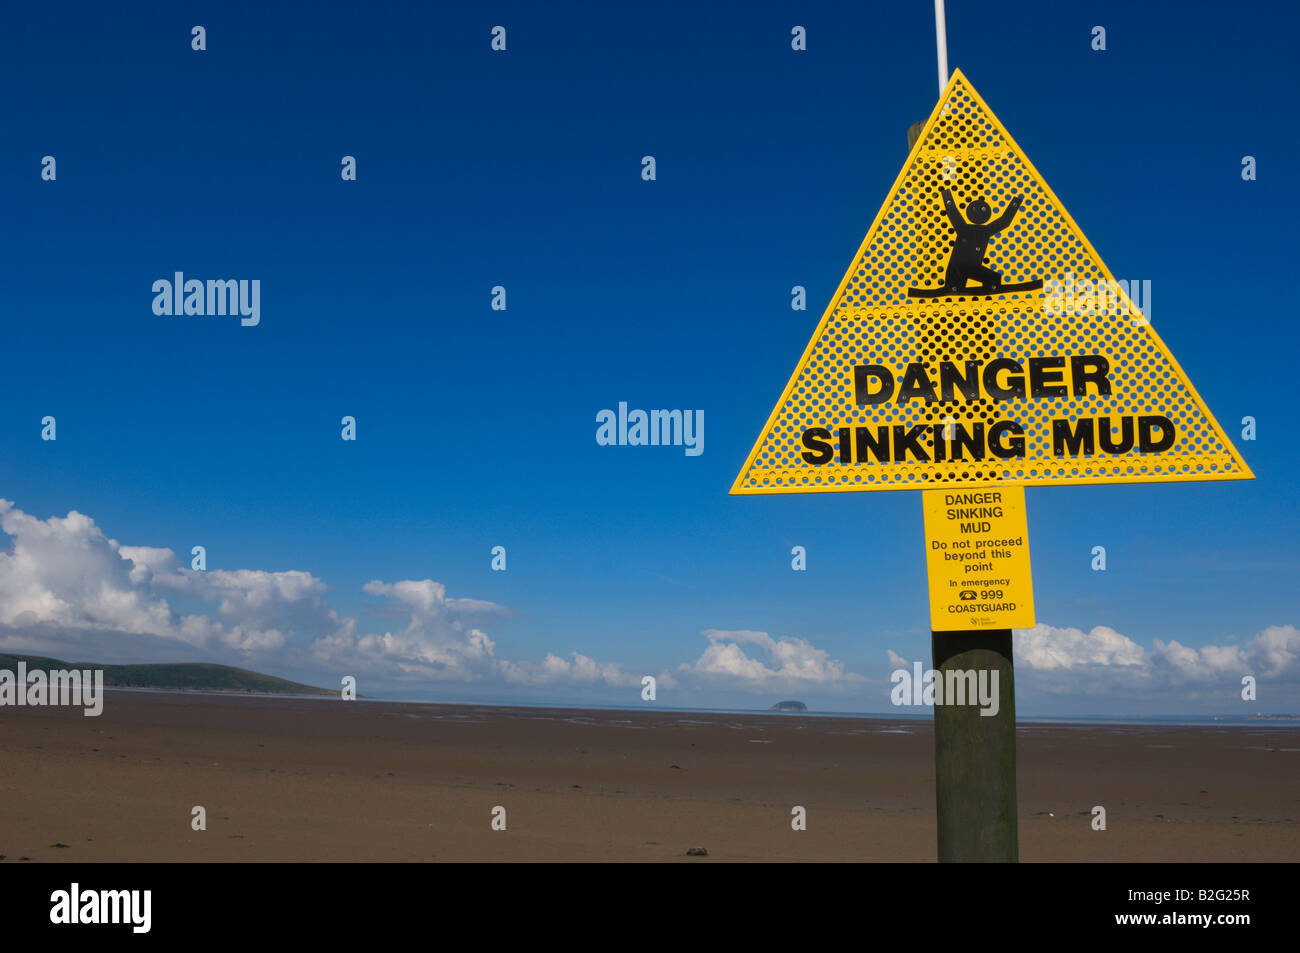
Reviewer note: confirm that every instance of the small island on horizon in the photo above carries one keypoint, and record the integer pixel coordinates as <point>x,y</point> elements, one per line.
<point>789,706</point>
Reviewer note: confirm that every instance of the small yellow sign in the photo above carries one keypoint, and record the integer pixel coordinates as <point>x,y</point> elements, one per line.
<point>977,558</point>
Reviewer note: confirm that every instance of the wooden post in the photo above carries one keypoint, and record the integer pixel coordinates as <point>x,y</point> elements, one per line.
<point>914,133</point>
<point>975,755</point>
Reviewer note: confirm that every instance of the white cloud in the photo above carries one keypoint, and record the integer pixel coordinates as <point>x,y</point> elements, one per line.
<point>1048,648</point>
<point>66,589</point>
<point>439,639</point>
<point>67,573</point>
<point>1276,650</point>
<point>785,663</point>
<point>582,670</point>
<point>1103,661</point>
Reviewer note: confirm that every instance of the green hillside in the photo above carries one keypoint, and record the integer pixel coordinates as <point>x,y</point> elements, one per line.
<point>195,676</point>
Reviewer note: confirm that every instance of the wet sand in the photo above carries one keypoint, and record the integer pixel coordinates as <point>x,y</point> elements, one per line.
<point>311,780</point>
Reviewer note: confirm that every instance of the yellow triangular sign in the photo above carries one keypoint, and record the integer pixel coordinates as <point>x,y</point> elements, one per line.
<point>978,338</point>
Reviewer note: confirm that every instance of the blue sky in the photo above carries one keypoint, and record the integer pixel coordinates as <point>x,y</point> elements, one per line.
<point>476,427</point>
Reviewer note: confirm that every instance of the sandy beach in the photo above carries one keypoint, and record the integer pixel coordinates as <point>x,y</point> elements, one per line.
<point>310,780</point>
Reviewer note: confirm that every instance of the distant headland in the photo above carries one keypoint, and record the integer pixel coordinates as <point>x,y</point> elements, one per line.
<point>181,676</point>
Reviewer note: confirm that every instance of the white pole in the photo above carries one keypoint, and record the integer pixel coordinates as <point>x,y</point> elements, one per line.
<point>941,43</point>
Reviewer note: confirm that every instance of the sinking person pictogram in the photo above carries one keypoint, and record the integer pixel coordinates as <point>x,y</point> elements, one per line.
<point>967,259</point>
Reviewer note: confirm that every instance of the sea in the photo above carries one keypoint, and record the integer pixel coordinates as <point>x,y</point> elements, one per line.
<point>1251,720</point>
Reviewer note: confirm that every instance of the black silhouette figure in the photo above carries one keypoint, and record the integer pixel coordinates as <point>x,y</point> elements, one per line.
<point>967,259</point>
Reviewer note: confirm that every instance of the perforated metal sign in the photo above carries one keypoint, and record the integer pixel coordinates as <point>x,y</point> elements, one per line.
<point>978,338</point>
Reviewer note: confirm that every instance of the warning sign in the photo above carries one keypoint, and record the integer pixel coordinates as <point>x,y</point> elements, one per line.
<point>977,557</point>
<point>978,339</point>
